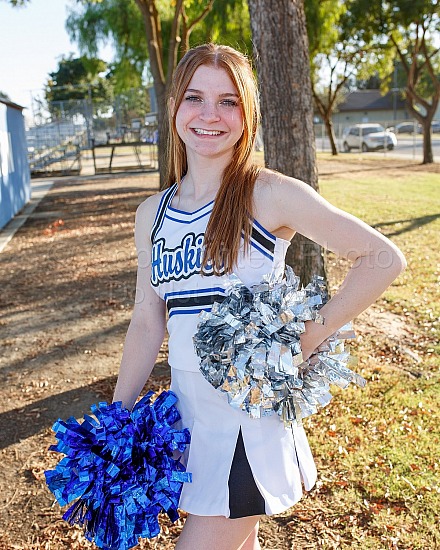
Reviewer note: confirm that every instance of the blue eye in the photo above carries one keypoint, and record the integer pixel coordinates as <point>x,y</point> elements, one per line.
<point>229,103</point>
<point>192,98</point>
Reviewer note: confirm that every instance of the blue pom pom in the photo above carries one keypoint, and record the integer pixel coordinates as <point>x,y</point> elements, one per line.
<point>121,470</point>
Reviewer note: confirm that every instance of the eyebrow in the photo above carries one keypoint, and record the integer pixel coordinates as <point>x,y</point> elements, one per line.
<point>194,91</point>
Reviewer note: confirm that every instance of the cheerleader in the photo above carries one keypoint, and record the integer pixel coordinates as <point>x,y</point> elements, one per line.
<point>221,214</point>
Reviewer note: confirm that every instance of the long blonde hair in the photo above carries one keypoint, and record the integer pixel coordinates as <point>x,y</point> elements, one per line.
<point>233,208</point>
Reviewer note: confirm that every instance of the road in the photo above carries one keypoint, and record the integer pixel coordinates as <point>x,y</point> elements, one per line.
<point>407,147</point>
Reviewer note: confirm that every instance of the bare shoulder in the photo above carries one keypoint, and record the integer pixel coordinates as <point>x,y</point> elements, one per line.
<point>275,186</point>
<point>148,207</point>
<point>281,203</point>
<point>145,215</point>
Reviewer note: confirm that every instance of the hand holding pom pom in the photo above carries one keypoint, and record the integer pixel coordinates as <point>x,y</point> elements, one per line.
<point>249,347</point>
<point>122,470</point>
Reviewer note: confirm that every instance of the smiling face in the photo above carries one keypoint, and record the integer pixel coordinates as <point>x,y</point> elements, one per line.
<point>209,118</point>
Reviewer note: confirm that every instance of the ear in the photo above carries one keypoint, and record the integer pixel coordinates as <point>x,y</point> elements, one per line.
<point>172,105</point>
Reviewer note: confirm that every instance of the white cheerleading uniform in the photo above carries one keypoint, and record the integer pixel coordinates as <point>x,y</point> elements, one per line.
<point>280,459</point>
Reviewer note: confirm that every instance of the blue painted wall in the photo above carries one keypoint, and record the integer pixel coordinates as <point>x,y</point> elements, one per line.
<point>15,182</point>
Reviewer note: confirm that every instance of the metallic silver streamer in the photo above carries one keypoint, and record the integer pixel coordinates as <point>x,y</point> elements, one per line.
<point>249,348</point>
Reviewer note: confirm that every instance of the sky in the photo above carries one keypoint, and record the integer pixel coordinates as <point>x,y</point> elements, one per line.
<point>32,40</point>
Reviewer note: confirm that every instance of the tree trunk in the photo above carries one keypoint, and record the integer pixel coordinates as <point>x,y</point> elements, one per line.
<point>331,133</point>
<point>413,99</point>
<point>154,40</point>
<point>162,129</point>
<point>428,157</point>
<point>425,121</point>
<point>282,58</point>
<point>162,81</point>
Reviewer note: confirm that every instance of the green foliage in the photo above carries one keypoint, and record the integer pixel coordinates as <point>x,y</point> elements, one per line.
<point>18,3</point>
<point>323,25</point>
<point>119,22</point>
<point>405,28</point>
<point>228,23</point>
<point>4,95</point>
<point>336,53</point>
<point>76,79</point>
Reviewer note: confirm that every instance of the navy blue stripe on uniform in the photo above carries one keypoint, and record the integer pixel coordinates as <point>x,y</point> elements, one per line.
<point>193,301</point>
<point>168,217</point>
<point>190,213</point>
<point>162,205</point>
<point>189,292</point>
<point>258,236</point>
<point>264,230</point>
<point>166,199</point>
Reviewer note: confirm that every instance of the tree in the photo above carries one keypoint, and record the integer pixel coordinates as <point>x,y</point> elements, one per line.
<point>408,28</point>
<point>282,58</point>
<point>336,56</point>
<point>91,24</point>
<point>167,31</point>
<point>5,96</point>
<point>227,23</point>
<point>18,2</point>
<point>421,62</point>
<point>77,79</point>
<point>155,34</point>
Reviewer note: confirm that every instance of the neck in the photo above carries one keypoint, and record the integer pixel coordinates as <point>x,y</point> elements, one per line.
<point>204,176</point>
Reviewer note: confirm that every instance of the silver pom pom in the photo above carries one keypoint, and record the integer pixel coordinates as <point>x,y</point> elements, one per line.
<point>249,348</point>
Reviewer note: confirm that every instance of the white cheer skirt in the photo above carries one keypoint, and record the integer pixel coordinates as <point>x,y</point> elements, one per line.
<point>280,459</point>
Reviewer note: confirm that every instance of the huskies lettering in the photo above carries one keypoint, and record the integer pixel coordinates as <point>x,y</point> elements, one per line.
<point>173,264</point>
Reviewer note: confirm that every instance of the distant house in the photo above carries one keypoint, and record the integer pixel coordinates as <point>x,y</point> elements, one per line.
<point>371,106</point>
<point>15,185</point>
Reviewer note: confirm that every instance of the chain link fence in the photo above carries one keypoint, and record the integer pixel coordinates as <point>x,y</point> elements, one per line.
<point>87,136</point>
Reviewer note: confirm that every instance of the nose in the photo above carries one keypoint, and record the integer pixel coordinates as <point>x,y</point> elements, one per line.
<point>209,112</point>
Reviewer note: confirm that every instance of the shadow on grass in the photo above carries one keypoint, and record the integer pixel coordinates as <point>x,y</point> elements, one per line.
<point>359,168</point>
<point>27,421</point>
<point>61,352</point>
<point>413,223</point>
<point>24,422</point>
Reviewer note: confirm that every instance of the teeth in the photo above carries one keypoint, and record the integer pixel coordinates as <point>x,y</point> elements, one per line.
<point>206,132</point>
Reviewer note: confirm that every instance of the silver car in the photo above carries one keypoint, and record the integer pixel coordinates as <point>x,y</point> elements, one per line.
<point>367,137</point>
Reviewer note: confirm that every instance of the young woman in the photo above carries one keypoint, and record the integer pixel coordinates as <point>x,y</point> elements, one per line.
<point>221,214</point>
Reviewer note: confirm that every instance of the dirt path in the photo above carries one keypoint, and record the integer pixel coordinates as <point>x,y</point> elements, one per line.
<point>68,279</point>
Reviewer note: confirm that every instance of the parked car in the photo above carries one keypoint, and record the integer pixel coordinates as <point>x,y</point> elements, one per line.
<point>367,137</point>
<point>435,126</point>
<point>405,128</point>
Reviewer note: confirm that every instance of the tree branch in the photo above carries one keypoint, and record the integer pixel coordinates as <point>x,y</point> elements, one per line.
<point>400,54</point>
<point>152,28</point>
<point>199,18</point>
<point>174,42</point>
<point>185,34</point>
<point>430,68</point>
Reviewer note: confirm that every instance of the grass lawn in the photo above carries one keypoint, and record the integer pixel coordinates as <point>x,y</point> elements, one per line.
<point>72,286</point>
<point>378,448</point>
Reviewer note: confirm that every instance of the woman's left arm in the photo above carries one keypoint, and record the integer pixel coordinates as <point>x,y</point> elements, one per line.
<point>376,261</point>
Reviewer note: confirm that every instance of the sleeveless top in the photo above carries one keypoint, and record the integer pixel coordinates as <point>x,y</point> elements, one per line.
<point>177,252</point>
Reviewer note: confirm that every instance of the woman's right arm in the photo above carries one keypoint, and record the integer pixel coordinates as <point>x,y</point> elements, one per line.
<point>147,326</point>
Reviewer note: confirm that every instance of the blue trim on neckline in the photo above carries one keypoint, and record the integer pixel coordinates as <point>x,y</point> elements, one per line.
<point>190,213</point>
<point>187,221</point>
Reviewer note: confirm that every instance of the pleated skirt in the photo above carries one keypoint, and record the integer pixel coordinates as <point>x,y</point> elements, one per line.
<point>280,459</point>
